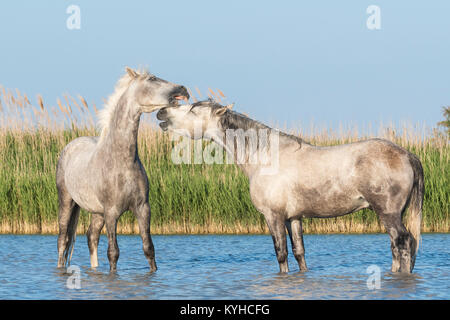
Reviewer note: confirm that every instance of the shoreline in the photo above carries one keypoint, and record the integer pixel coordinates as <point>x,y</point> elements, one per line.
<point>331,227</point>
<point>190,198</point>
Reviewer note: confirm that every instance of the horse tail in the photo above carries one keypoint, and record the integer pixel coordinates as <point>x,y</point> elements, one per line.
<point>416,200</point>
<point>71,234</point>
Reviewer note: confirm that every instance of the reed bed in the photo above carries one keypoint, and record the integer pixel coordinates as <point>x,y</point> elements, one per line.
<point>186,198</point>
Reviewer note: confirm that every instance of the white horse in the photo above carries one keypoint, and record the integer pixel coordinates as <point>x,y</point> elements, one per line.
<point>319,182</point>
<point>104,175</point>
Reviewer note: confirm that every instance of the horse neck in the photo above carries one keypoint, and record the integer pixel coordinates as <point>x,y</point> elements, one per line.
<point>271,148</point>
<point>121,138</point>
<point>235,121</point>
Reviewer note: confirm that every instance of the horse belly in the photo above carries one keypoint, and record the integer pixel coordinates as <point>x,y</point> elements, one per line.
<point>87,200</point>
<point>325,205</point>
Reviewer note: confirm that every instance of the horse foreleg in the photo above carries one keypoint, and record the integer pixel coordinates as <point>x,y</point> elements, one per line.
<point>277,229</point>
<point>143,217</point>
<point>93,235</point>
<point>111,217</point>
<point>295,230</point>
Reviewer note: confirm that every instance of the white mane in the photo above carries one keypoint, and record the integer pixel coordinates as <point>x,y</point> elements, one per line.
<point>104,116</point>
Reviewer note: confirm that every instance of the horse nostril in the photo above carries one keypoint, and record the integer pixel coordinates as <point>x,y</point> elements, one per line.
<point>162,114</point>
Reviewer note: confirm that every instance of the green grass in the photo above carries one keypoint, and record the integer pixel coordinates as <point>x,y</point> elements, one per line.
<point>184,198</point>
<point>194,198</point>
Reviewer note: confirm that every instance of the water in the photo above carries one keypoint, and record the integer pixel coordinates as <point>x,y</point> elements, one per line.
<point>224,267</point>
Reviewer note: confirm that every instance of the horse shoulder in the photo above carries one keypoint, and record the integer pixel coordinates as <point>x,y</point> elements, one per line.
<point>79,148</point>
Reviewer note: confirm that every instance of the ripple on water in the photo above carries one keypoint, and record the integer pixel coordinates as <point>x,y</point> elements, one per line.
<point>224,267</point>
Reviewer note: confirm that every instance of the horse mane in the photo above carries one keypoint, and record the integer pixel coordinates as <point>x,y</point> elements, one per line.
<point>232,119</point>
<point>236,120</point>
<point>105,115</point>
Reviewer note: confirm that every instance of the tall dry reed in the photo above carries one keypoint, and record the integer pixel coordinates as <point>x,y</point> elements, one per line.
<point>187,198</point>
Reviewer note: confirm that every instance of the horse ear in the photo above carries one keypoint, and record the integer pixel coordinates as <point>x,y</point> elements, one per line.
<point>220,111</point>
<point>131,72</point>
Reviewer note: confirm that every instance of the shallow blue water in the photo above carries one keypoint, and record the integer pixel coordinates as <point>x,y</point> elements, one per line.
<point>224,267</point>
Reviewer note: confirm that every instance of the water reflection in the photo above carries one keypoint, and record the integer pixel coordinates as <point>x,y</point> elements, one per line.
<point>305,285</point>
<point>397,286</point>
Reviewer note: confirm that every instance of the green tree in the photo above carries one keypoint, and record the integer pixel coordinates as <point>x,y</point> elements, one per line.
<point>446,122</point>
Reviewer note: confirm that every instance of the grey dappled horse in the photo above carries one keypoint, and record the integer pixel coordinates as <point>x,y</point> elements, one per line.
<point>104,175</point>
<point>318,182</point>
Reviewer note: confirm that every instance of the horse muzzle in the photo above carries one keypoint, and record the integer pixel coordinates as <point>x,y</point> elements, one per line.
<point>180,93</point>
<point>162,114</point>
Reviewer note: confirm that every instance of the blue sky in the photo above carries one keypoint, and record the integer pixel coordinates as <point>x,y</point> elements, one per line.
<point>286,63</point>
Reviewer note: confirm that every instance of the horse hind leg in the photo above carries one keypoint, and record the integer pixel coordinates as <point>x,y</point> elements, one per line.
<point>93,235</point>
<point>295,230</point>
<point>67,220</point>
<point>277,229</point>
<point>389,200</point>
<point>402,242</point>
